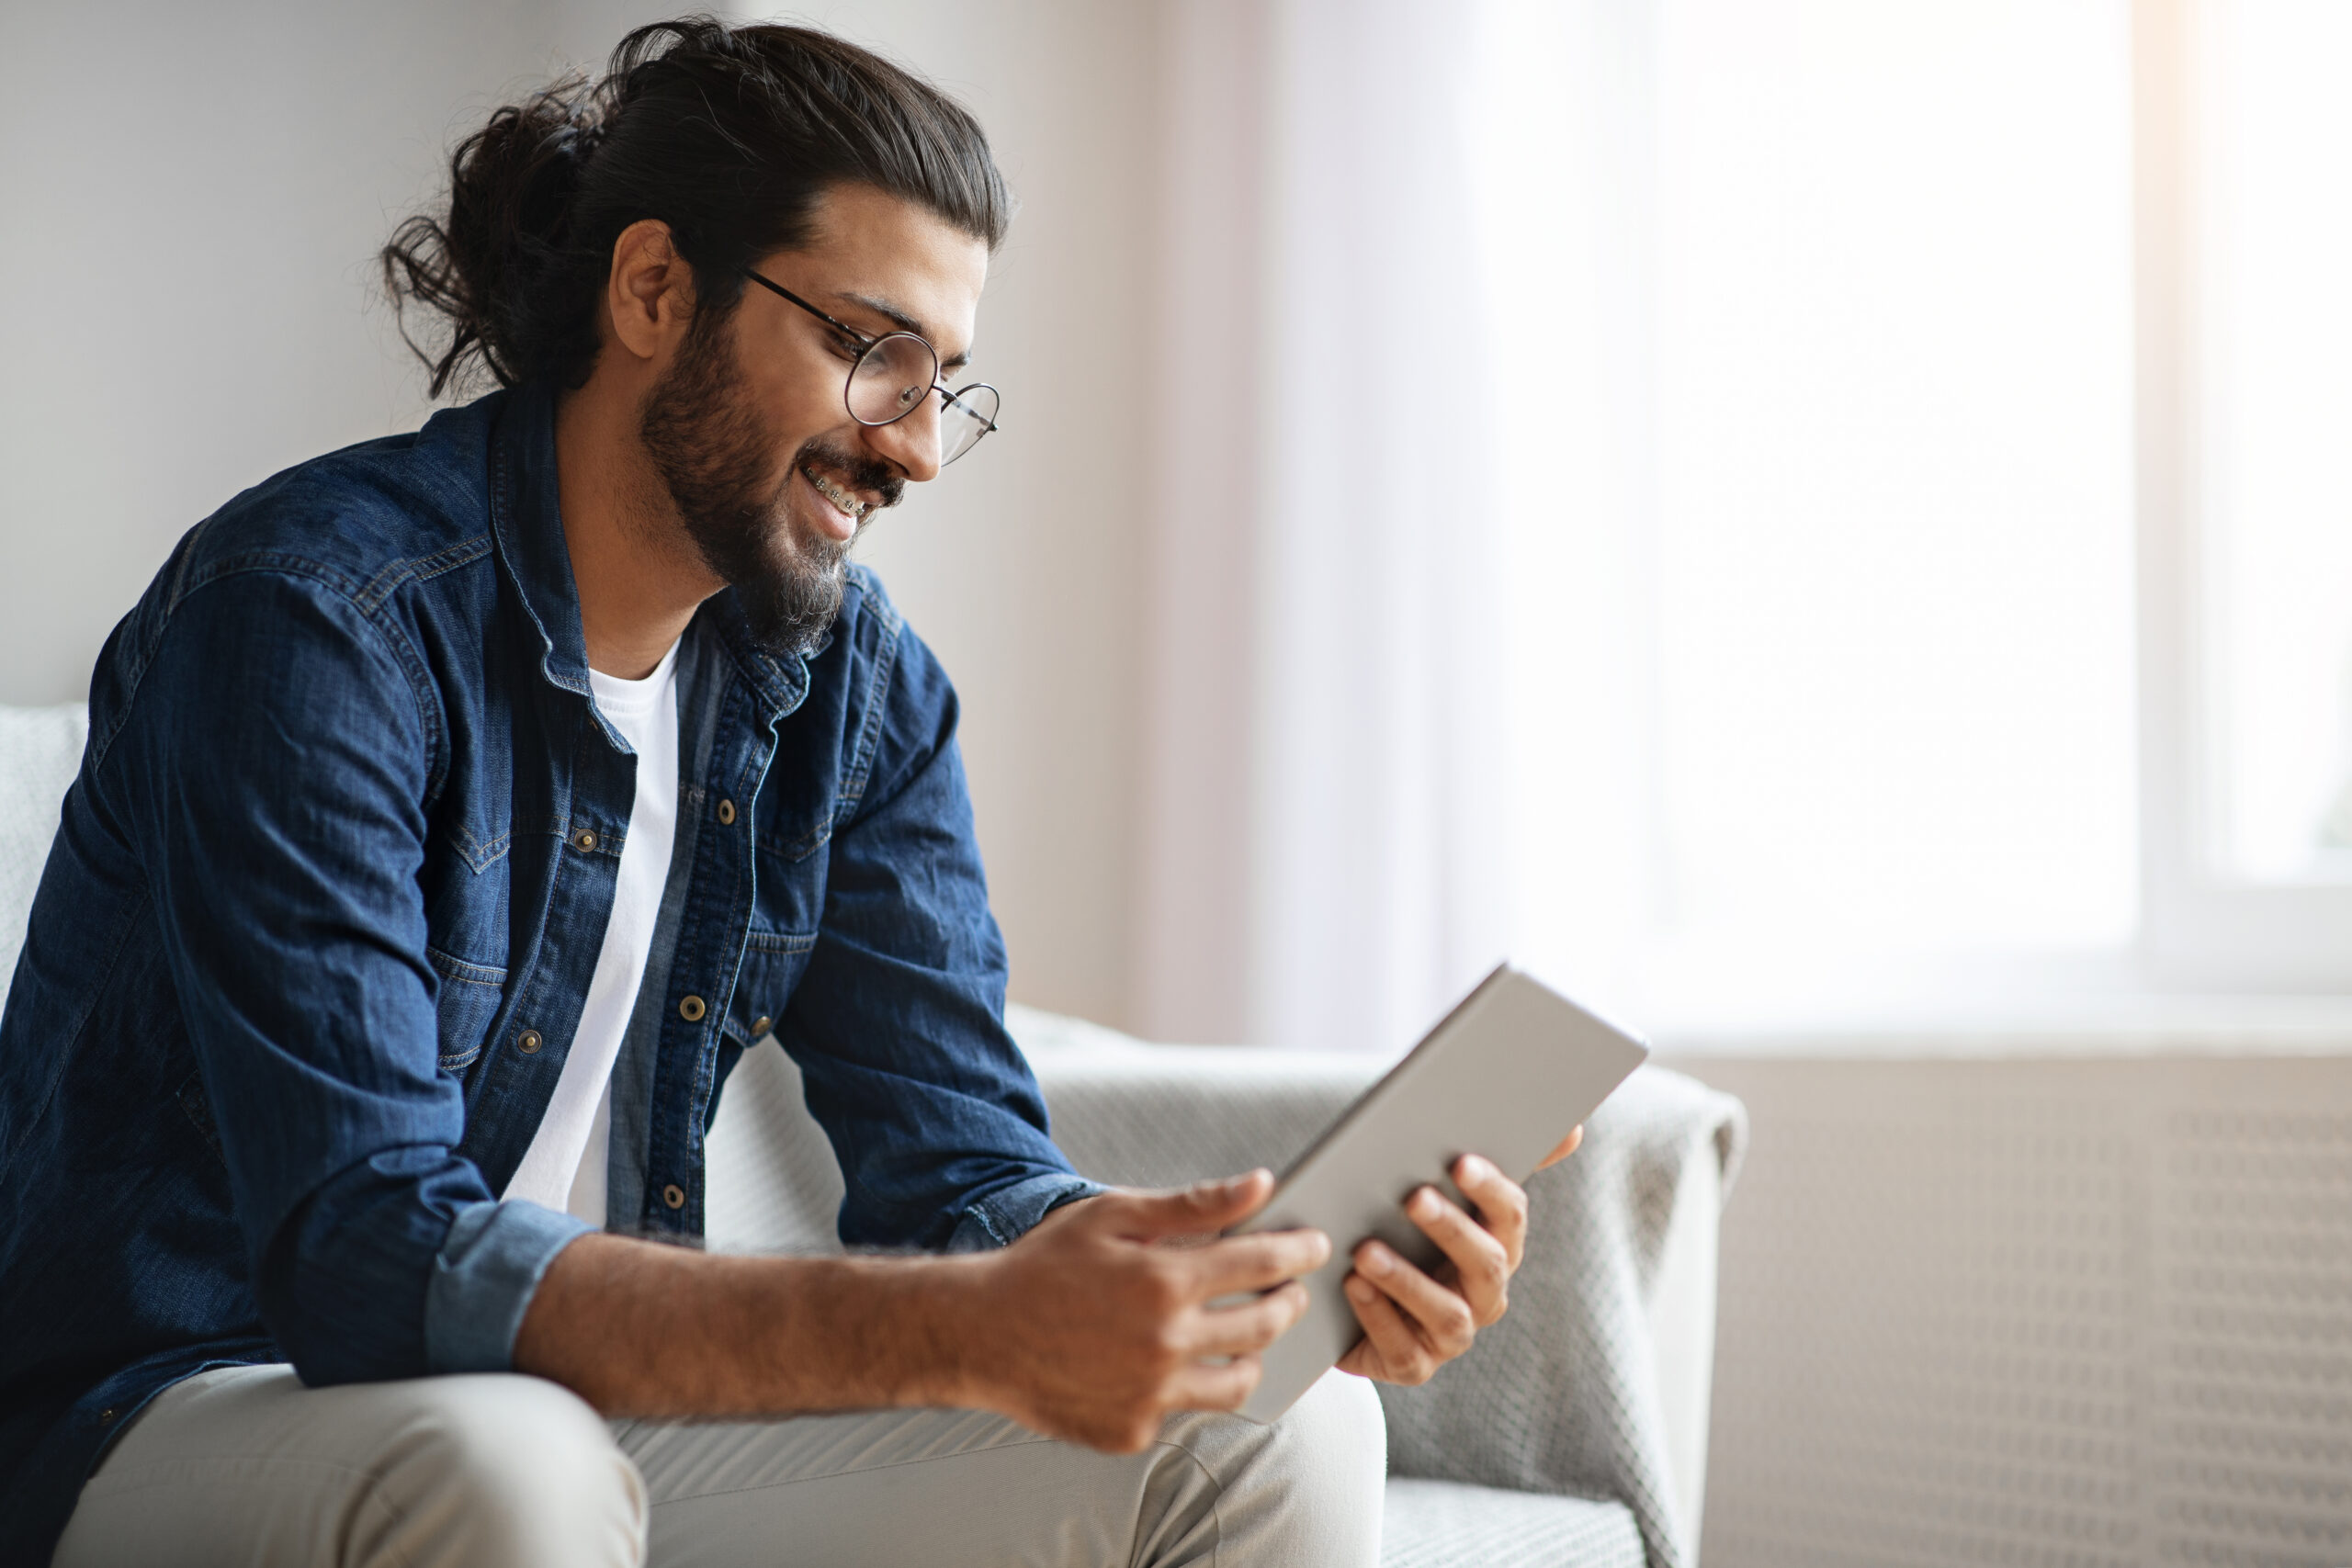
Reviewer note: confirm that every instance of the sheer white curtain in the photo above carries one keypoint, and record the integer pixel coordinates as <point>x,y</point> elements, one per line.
<point>1348,823</point>
<point>1377,798</point>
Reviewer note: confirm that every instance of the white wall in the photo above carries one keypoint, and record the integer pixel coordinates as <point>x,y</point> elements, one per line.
<point>193,196</point>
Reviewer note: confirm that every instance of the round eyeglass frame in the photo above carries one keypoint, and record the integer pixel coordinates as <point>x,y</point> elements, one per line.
<point>981,419</point>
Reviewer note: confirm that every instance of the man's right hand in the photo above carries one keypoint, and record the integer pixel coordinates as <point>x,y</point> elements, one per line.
<point>1097,1324</point>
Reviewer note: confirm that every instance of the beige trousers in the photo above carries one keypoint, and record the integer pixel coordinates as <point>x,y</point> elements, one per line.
<point>246,1466</point>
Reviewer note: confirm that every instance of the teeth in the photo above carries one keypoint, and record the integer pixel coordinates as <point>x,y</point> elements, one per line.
<point>837,496</point>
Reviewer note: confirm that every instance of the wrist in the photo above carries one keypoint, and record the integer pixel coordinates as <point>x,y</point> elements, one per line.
<point>940,1316</point>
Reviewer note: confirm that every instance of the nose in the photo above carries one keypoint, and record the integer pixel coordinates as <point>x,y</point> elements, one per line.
<point>912,442</point>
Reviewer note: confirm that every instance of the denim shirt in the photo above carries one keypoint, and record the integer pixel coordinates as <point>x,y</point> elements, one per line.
<point>316,929</point>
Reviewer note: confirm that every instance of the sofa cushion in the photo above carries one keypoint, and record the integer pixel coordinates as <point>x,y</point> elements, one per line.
<point>1446,1524</point>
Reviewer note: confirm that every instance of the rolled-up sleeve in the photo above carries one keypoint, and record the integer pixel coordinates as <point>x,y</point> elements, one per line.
<point>483,1279</point>
<point>1002,1216</point>
<point>276,765</point>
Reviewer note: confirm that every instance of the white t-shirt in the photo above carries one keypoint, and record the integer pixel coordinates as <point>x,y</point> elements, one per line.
<point>564,1166</point>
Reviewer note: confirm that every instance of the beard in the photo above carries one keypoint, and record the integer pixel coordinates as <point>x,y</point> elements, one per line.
<point>704,439</point>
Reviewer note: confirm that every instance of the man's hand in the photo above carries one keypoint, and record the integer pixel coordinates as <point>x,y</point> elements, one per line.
<point>1096,1327</point>
<point>1414,1323</point>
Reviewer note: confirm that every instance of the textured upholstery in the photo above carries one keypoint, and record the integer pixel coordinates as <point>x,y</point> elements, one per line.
<point>1445,1524</point>
<point>40,749</point>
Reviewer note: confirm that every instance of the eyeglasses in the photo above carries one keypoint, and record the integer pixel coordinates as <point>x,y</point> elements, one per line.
<point>893,376</point>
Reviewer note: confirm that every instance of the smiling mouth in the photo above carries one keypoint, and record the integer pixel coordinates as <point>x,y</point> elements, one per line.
<point>843,500</point>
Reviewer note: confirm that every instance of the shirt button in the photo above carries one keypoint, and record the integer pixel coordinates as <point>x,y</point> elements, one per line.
<point>528,1042</point>
<point>109,1413</point>
<point>727,813</point>
<point>761,1025</point>
<point>675,1195</point>
<point>583,840</point>
<point>691,1010</point>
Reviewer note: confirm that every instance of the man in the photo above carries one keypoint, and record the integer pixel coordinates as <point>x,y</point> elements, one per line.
<point>459,807</point>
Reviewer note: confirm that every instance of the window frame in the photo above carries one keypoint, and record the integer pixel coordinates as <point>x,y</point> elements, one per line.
<point>2199,926</point>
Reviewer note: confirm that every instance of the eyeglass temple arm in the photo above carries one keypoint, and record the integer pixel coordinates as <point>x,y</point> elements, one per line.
<point>865,339</point>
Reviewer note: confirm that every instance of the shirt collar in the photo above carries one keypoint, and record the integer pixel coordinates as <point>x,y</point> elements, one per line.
<point>527,522</point>
<point>780,680</point>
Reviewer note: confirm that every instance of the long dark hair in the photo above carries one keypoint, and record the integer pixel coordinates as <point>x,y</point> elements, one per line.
<point>726,134</point>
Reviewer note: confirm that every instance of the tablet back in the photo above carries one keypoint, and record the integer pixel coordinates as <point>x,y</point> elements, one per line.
<point>1505,1075</point>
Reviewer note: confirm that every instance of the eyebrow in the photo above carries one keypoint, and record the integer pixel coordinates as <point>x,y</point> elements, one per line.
<point>904,322</point>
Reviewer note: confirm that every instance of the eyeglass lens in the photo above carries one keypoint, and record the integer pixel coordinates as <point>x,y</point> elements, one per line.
<point>893,376</point>
<point>969,415</point>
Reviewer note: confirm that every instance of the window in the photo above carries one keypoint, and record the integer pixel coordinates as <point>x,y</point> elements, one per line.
<point>1944,525</point>
<point>1882,547</point>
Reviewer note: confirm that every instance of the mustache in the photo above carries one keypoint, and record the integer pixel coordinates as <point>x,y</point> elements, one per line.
<point>864,472</point>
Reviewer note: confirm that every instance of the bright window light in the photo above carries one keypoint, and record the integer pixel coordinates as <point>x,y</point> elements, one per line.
<point>1894,525</point>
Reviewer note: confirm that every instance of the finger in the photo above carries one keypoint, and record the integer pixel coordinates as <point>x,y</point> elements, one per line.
<point>1565,1147</point>
<point>1204,1208</point>
<point>1501,1204</point>
<point>1481,1262</point>
<point>1257,1262</point>
<point>1444,1316</point>
<point>1238,1330</point>
<point>1222,1387</point>
<point>1402,1355</point>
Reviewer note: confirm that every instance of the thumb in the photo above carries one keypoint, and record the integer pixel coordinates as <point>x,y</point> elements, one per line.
<point>1565,1147</point>
<point>1204,1208</point>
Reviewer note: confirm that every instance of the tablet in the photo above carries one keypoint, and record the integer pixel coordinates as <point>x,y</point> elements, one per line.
<point>1505,1075</point>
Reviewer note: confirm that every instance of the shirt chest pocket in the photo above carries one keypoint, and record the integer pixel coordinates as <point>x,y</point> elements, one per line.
<point>772,965</point>
<point>468,1005</point>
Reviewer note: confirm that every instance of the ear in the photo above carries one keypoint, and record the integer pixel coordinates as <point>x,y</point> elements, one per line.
<point>650,294</point>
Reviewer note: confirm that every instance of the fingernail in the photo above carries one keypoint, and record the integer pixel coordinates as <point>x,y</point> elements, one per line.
<point>1476,1167</point>
<point>1358,1289</point>
<point>1377,1261</point>
<point>1424,1204</point>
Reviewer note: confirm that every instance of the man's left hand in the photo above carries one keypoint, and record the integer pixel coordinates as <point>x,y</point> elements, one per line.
<point>1414,1322</point>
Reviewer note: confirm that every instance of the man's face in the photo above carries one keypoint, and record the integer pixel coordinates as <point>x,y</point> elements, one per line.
<point>748,429</point>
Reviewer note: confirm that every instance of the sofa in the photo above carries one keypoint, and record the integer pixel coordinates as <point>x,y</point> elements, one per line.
<point>1574,1433</point>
